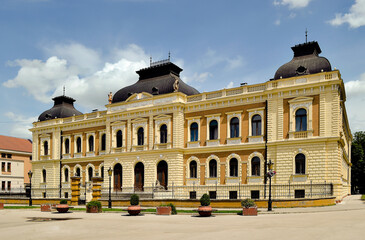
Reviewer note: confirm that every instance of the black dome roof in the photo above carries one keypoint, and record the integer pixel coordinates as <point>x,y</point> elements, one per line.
<point>305,61</point>
<point>157,79</point>
<point>63,107</point>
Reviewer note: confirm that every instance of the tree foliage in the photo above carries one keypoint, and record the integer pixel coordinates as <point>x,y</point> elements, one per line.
<point>358,163</point>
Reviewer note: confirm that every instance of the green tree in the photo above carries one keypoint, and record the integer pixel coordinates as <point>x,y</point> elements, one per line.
<point>358,163</point>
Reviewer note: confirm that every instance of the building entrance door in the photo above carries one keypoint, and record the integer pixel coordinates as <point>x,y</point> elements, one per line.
<point>118,177</point>
<point>162,173</point>
<point>139,177</point>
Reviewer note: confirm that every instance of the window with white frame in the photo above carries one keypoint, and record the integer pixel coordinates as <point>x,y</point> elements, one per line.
<point>138,132</point>
<point>162,129</point>
<point>213,169</point>
<point>193,131</point>
<point>103,142</point>
<point>300,117</point>
<point>233,167</point>
<point>118,134</point>
<point>67,146</point>
<point>256,123</point>
<point>213,127</point>
<point>255,166</point>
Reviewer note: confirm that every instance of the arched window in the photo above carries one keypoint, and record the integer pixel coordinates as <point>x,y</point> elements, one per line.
<point>301,120</point>
<point>255,166</point>
<point>90,171</point>
<point>194,131</point>
<point>213,168</point>
<point>213,130</point>
<point>44,175</point>
<point>300,164</point>
<point>119,139</point>
<point>66,174</point>
<point>235,127</point>
<point>67,146</point>
<point>233,167</point>
<point>256,125</point>
<point>78,144</point>
<point>45,148</point>
<point>193,167</point>
<point>91,143</point>
<point>78,172</point>
<point>140,135</point>
<point>103,142</point>
<point>163,133</point>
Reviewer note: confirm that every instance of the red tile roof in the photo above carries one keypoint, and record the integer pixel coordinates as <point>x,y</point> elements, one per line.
<point>15,144</point>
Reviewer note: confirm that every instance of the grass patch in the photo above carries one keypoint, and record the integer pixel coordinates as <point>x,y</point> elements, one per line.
<point>363,197</point>
<point>20,207</point>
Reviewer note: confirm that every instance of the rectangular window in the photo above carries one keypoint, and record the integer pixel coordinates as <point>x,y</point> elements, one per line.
<point>44,194</point>
<point>232,194</point>
<point>9,185</point>
<point>66,194</point>
<point>3,155</point>
<point>300,193</point>
<point>9,167</point>
<point>3,166</point>
<point>8,155</point>
<point>192,195</point>
<point>213,194</point>
<point>3,185</point>
<point>255,194</point>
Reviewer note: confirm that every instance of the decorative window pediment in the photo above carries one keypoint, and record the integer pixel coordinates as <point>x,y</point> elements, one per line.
<point>300,117</point>
<point>138,96</point>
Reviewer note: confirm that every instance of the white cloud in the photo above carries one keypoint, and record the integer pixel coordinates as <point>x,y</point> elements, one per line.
<point>197,77</point>
<point>277,22</point>
<point>293,3</point>
<point>355,100</point>
<point>355,18</point>
<point>230,85</point>
<point>20,125</point>
<point>88,85</point>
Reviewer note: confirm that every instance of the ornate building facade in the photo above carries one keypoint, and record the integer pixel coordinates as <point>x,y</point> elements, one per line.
<point>162,133</point>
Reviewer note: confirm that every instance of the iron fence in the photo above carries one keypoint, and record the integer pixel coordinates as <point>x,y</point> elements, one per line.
<point>224,192</point>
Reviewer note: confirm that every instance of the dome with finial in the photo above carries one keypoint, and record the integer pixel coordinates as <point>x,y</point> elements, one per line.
<point>63,107</point>
<point>306,60</point>
<point>161,77</point>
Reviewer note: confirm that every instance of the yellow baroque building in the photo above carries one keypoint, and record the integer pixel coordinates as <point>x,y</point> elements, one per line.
<point>164,139</point>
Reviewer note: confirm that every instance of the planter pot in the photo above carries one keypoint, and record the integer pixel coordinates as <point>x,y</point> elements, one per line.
<point>165,210</point>
<point>93,209</point>
<point>252,211</point>
<point>45,208</point>
<point>134,210</point>
<point>62,208</point>
<point>1,205</point>
<point>205,211</point>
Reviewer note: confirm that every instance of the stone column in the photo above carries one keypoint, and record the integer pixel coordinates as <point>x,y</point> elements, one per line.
<point>75,190</point>
<point>97,181</point>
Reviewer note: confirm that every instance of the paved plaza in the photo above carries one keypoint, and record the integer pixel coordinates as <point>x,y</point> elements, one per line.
<point>343,221</point>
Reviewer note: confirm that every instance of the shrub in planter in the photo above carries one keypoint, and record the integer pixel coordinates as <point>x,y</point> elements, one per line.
<point>249,207</point>
<point>63,206</point>
<point>163,210</point>
<point>134,209</point>
<point>205,210</point>
<point>93,207</point>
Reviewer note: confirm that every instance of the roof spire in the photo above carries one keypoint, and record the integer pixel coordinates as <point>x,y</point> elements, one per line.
<point>306,35</point>
<point>64,90</point>
<point>169,55</point>
<point>150,60</point>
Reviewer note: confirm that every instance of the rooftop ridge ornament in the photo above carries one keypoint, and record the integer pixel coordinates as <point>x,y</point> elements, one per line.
<point>306,35</point>
<point>152,64</point>
<point>64,90</point>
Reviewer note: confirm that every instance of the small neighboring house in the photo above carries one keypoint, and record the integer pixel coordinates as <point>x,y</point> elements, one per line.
<point>16,157</point>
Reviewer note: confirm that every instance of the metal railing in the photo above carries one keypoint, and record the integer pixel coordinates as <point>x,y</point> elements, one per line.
<point>225,192</point>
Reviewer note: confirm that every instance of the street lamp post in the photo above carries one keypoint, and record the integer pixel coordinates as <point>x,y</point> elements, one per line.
<point>270,174</point>
<point>110,172</point>
<point>30,174</point>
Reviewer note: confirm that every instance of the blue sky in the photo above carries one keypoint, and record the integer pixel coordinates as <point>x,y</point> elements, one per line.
<point>93,47</point>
